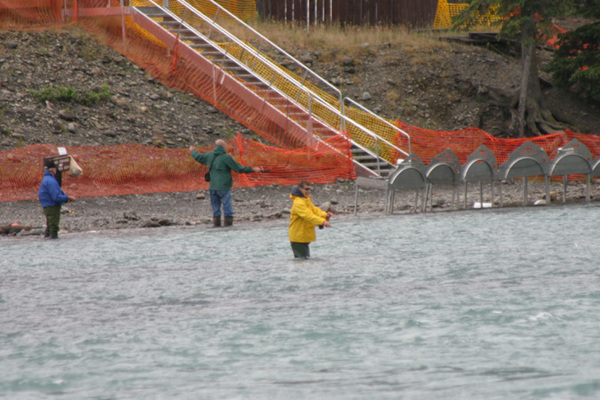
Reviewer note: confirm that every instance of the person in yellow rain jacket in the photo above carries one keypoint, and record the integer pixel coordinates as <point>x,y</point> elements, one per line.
<point>304,216</point>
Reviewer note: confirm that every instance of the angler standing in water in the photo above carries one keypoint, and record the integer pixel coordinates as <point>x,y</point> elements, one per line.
<point>220,165</point>
<point>304,216</point>
<point>52,198</point>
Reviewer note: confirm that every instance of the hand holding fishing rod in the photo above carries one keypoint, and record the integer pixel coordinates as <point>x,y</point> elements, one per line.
<point>326,222</point>
<point>260,169</point>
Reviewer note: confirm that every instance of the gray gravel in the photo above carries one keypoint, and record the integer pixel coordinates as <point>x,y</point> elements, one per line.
<point>256,205</point>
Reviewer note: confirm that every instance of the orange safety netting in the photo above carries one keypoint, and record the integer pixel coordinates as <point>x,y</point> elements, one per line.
<point>21,13</point>
<point>28,14</point>
<point>137,169</point>
<point>427,143</point>
<point>129,168</point>
<point>174,66</point>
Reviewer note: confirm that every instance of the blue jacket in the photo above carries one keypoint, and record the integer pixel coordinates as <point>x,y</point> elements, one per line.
<point>50,193</point>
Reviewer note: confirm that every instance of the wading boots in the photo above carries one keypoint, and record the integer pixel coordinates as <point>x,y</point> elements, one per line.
<point>228,221</point>
<point>216,222</point>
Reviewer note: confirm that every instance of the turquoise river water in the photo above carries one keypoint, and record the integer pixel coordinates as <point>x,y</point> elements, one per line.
<point>487,304</point>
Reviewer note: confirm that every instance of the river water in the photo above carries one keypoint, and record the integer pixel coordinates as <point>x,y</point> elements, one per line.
<point>486,304</point>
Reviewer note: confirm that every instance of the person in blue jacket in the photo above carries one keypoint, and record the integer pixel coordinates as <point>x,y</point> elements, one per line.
<point>52,198</point>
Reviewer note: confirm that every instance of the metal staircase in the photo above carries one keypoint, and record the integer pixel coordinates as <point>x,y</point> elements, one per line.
<point>313,108</point>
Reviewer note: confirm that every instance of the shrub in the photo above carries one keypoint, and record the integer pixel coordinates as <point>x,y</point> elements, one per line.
<point>71,95</point>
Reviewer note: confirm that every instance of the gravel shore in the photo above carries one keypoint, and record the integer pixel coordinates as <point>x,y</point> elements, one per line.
<point>257,205</point>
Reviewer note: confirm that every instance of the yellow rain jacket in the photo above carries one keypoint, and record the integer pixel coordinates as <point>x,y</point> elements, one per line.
<point>304,216</point>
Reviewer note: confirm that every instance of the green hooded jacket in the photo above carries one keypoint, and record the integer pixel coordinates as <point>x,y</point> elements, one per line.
<point>220,164</point>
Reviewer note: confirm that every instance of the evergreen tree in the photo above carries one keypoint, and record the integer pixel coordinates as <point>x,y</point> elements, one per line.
<point>576,62</point>
<point>527,21</point>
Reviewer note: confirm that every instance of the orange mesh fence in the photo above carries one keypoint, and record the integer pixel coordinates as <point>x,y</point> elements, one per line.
<point>172,64</point>
<point>25,14</point>
<point>428,143</point>
<point>128,169</point>
<point>179,67</point>
<point>137,169</point>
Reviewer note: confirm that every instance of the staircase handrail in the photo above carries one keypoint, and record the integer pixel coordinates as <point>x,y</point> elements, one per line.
<point>254,52</point>
<point>273,66</point>
<point>383,120</point>
<point>377,139</point>
<point>269,42</point>
<point>343,118</point>
<point>317,76</point>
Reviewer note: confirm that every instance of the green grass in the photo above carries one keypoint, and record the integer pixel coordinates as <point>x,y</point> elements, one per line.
<point>71,95</point>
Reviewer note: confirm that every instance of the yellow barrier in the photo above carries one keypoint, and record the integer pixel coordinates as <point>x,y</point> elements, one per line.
<point>447,11</point>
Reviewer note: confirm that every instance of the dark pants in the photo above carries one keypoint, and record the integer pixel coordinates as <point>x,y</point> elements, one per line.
<point>52,221</point>
<point>300,250</point>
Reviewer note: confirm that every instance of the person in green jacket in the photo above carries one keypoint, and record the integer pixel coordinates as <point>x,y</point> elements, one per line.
<point>220,165</point>
<point>304,216</point>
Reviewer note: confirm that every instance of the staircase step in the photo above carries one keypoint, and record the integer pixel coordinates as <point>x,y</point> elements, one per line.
<point>213,54</point>
<point>183,30</point>
<point>169,23</point>
<point>195,39</point>
<point>253,81</point>
<point>231,68</point>
<point>365,157</point>
<point>201,46</point>
<point>186,35</point>
<point>373,165</point>
<point>248,77</point>
<point>152,11</point>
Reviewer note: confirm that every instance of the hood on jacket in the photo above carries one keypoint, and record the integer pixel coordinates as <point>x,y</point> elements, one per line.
<point>219,150</point>
<point>296,193</point>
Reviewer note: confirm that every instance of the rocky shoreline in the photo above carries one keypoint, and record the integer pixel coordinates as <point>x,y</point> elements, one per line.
<point>257,205</point>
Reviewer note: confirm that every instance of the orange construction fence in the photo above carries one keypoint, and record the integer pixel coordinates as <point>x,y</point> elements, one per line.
<point>427,143</point>
<point>136,169</point>
<point>130,168</point>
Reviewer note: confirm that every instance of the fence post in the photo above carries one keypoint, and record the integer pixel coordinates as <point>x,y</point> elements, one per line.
<point>308,16</point>
<point>123,33</point>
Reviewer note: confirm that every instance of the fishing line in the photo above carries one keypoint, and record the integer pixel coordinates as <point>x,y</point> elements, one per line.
<point>356,234</point>
<point>379,243</point>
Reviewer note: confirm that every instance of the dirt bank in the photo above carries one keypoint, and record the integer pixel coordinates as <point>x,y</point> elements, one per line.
<point>447,86</point>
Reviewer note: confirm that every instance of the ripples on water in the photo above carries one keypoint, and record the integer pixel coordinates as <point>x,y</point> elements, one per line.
<point>492,304</point>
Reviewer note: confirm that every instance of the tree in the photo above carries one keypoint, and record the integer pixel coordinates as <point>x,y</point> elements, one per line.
<point>576,62</point>
<point>527,21</point>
